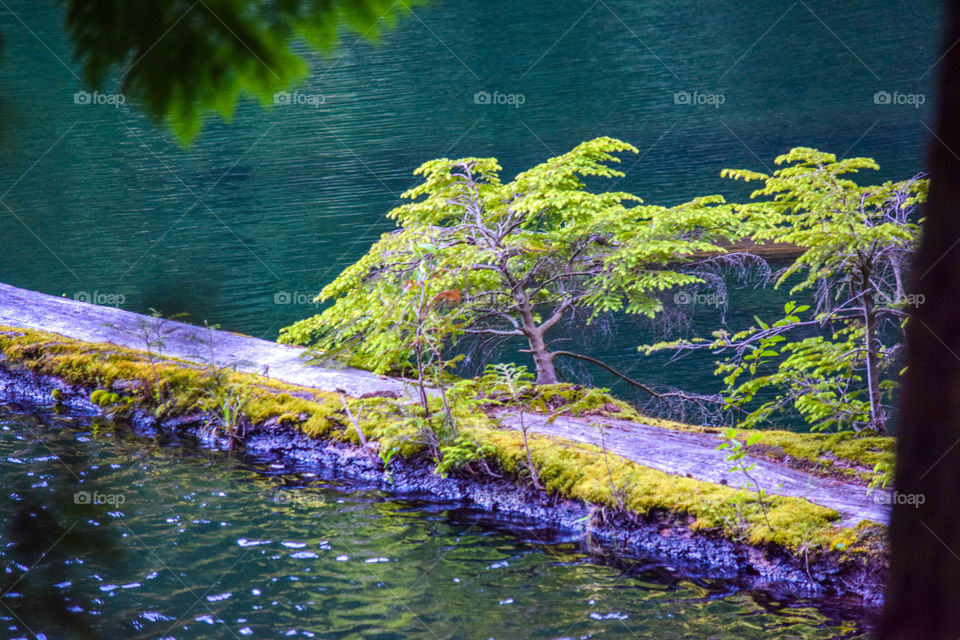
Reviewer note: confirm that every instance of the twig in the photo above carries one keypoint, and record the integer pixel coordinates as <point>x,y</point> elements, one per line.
<point>356,425</point>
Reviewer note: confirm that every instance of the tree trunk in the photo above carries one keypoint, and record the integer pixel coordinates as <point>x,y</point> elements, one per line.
<point>542,358</point>
<point>877,418</point>
<point>923,590</point>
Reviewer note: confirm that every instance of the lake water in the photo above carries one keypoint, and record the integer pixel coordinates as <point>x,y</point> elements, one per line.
<point>187,543</point>
<point>103,204</point>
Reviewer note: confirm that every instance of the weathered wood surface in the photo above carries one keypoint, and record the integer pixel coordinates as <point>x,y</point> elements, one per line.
<point>675,452</point>
<point>696,455</point>
<point>94,323</point>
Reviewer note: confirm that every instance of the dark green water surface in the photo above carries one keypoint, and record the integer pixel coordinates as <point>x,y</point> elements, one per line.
<point>192,544</point>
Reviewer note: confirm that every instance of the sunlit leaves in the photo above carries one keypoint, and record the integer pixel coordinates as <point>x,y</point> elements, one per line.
<point>855,244</point>
<point>836,221</point>
<point>522,255</point>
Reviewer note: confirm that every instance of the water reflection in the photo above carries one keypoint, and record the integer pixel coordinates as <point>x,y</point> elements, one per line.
<point>106,534</point>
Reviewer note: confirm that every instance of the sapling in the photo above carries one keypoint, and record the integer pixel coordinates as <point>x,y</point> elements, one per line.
<point>355,421</point>
<point>225,402</point>
<point>738,457</point>
<point>514,382</point>
<point>606,461</point>
<point>152,333</point>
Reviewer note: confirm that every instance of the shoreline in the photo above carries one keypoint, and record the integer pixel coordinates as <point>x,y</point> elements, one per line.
<point>304,427</point>
<point>671,447</point>
<point>661,541</point>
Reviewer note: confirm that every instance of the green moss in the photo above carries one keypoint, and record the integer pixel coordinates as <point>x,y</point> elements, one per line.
<point>576,400</point>
<point>184,384</point>
<point>676,426</point>
<point>845,453</point>
<point>583,472</point>
<point>104,398</point>
<point>100,365</point>
<point>314,417</point>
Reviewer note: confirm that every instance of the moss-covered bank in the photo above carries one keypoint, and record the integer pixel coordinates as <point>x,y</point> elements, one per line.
<point>120,380</point>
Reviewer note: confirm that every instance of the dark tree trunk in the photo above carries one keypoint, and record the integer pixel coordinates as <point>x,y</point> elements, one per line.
<point>923,594</point>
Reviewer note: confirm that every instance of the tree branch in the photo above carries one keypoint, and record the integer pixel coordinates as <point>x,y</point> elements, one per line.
<point>494,332</point>
<point>640,385</point>
<point>557,315</point>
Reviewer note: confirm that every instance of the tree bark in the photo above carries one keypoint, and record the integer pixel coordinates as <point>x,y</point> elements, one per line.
<point>542,358</point>
<point>877,417</point>
<point>923,592</point>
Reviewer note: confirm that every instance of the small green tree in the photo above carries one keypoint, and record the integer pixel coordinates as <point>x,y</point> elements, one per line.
<point>819,376</point>
<point>512,260</point>
<point>738,456</point>
<point>225,402</point>
<point>857,241</point>
<point>152,332</point>
<point>856,245</point>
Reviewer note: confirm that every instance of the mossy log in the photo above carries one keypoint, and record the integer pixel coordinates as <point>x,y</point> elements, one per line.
<point>640,467</point>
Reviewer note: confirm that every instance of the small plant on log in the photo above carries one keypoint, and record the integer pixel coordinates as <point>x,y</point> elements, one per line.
<point>738,456</point>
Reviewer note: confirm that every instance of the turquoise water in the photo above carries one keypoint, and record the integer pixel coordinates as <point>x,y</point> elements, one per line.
<point>187,543</point>
<point>102,202</point>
